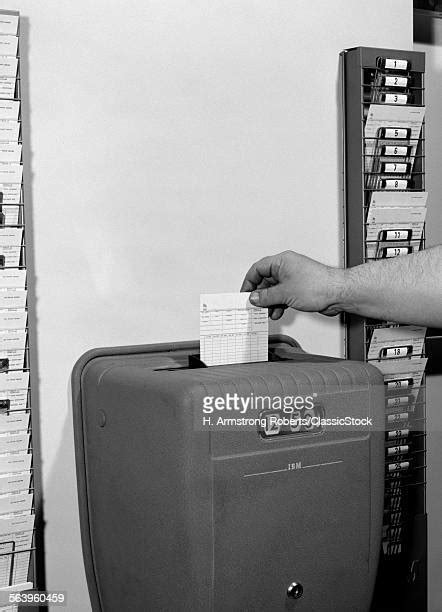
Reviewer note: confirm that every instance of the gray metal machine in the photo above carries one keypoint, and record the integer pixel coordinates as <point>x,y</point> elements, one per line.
<point>182,518</point>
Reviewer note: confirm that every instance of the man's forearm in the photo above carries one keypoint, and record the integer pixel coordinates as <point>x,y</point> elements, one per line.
<point>406,289</point>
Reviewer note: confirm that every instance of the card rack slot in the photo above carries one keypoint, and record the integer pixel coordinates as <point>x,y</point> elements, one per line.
<point>383,95</point>
<point>17,509</point>
<point>377,249</point>
<point>391,167</point>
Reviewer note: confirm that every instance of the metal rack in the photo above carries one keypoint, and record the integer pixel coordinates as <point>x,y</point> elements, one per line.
<point>390,161</point>
<point>17,528</point>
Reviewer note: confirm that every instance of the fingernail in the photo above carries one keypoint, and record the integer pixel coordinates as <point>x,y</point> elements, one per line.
<point>254,298</point>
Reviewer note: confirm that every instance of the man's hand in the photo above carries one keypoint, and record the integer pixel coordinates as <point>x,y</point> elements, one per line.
<point>290,280</point>
<point>406,289</point>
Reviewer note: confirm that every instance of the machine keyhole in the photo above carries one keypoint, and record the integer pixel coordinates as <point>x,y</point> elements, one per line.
<point>295,590</point>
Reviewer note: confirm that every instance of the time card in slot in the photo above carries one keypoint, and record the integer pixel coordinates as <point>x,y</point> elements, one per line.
<point>12,359</point>
<point>395,150</point>
<point>396,98</point>
<point>13,318</point>
<point>12,278</point>
<point>13,299</point>
<point>8,88</point>
<point>9,24</point>
<point>10,172</point>
<point>393,503</point>
<point>393,512</point>
<point>387,251</point>
<point>232,330</point>
<point>398,401</point>
<point>393,532</point>
<point>390,80</point>
<point>10,193</point>
<point>383,235</point>
<point>391,548</point>
<point>396,92</point>
<point>9,131</point>
<point>20,569</point>
<point>9,109</point>
<point>18,529</point>
<point>393,133</point>
<point>388,235</point>
<point>12,339</point>
<point>382,218</point>
<point>12,349</point>
<point>9,215</point>
<point>12,400</point>
<point>398,418</point>
<point>402,375</point>
<point>389,167</point>
<point>15,462</point>
<point>396,352</point>
<point>400,449</point>
<point>9,257</point>
<point>10,152</point>
<point>402,378</point>
<point>390,63</point>
<point>14,421</point>
<point>10,381</point>
<point>8,44</point>
<point>10,246</point>
<point>396,342</point>
<point>390,249</point>
<point>12,442</point>
<point>394,183</point>
<point>15,502</point>
<point>408,200</point>
<point>14,386</point>
<point>6,557</point>
<point>384,116</point>
<point>399,384</point>
<point>20,481</point>
<point>396,434</point>
<point>398,466</point>
<point>413,232</point>
<point>4,593</point>
<point>8,66</point>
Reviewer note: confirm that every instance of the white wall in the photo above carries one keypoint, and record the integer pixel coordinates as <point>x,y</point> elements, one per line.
<point>173,143</point>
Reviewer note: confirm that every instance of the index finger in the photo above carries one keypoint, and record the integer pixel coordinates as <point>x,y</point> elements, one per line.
<point>264,268</point>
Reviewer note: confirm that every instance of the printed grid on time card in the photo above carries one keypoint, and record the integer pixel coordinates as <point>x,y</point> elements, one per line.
<point>232,330</point>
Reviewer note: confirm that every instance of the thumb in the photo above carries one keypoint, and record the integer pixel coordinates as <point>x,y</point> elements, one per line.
<point>271,296</point>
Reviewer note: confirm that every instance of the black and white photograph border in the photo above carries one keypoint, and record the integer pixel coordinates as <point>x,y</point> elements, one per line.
<point>220,320</point>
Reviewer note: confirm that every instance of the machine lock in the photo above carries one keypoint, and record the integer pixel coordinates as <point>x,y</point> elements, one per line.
<point>295,590</point>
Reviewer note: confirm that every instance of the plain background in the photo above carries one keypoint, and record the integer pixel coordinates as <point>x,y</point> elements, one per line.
<point>170,145</point>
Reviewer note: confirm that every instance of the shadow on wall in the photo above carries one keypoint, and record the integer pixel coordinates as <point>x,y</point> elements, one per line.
<point>66,519</point>
<point>39,576</point>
